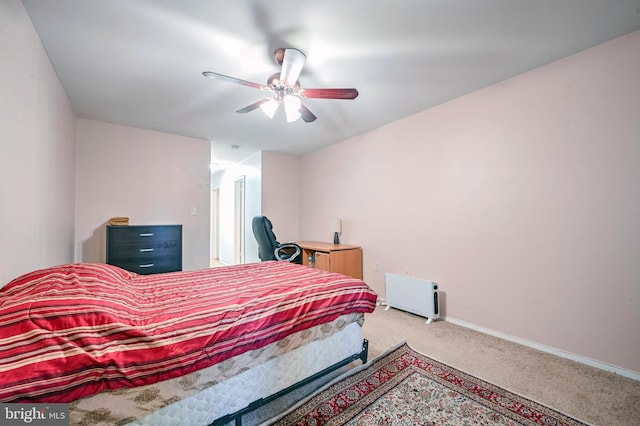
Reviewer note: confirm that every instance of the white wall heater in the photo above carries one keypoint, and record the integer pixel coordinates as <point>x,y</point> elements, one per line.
<point>413,295</point>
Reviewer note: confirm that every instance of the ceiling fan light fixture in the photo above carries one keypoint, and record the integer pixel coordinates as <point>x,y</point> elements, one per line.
<point>286,88</point>
<point>270,107</point>
<point>292,106</point>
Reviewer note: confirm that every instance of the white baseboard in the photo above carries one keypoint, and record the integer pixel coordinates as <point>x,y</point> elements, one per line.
<point>555,351</point>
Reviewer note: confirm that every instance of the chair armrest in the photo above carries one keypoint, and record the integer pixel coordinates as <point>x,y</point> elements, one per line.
<point>288,252</point>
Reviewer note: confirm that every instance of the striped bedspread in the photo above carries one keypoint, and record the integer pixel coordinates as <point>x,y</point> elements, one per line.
<point>74,330</point>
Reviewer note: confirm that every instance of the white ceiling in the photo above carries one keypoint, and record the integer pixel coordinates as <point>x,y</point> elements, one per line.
<point>140,62</point>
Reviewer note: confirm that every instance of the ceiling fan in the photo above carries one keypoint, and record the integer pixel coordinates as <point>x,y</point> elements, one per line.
<point>286,88</point>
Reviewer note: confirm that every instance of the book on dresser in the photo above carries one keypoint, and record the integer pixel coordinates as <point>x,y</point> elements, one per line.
<point>145,249</point>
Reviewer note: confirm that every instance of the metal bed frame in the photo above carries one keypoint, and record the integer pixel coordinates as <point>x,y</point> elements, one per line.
<point>237,416</point>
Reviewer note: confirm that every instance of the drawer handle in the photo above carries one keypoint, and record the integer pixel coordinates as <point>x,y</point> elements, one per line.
<point>150,249</point>
<point>148,234</point>
<point>146,265</point>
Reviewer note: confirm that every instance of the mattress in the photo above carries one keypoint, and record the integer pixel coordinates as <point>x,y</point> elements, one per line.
<point>203,396</point>
<point>72,331</point>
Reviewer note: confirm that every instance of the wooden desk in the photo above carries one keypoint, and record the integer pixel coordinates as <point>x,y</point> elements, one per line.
<point>342,258</point>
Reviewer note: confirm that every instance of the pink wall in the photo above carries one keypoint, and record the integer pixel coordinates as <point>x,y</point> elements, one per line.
<point>280,191</point>
<point>522,200</point>
<point>150,177</point>
<point>36,152</point>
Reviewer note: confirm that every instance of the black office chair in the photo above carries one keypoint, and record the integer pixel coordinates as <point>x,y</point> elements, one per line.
<point>268,247</point>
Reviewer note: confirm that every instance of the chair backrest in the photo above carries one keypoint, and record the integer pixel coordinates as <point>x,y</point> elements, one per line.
<point>267,243</point>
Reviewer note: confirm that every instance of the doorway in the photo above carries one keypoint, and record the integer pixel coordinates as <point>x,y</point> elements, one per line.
<point>238,222</point>
<point>214,244</point>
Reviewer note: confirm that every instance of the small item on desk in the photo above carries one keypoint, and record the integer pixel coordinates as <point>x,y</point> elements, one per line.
<point>119,221</point>
<point>336,227</point>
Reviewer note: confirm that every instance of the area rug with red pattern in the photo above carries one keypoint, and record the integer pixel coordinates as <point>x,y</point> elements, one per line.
<point>405,387</point>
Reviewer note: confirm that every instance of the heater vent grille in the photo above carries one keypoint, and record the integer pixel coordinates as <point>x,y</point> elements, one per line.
<point>413,295</point>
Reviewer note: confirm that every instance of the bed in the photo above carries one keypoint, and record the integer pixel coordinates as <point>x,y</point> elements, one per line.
<point>193,347</point>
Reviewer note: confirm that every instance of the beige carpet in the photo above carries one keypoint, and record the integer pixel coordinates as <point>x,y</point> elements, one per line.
<point>587,393</point>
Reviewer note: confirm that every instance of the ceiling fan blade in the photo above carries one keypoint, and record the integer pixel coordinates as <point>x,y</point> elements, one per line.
<point>307,115</point>
<point>228,79</point>
<point>253,106</point>
<point>291,67</point>
<point>328,93</point>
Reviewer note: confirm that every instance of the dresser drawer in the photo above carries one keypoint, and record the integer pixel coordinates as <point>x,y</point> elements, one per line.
<point>156,265</point>
<point>145,249</point>
<point>132,234</point>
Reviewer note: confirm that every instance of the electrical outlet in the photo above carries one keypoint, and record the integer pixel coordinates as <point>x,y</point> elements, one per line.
<point>194,211</point>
